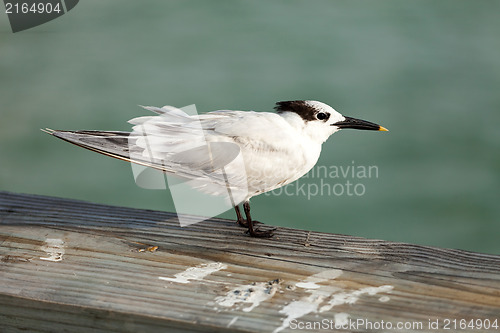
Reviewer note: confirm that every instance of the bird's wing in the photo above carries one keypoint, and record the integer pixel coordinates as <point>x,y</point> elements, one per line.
<point>179,139</point>
<point>172,142</point>
<point>171,136</point>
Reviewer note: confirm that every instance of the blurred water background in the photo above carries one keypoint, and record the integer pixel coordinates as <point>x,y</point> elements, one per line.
<point>427,70</point>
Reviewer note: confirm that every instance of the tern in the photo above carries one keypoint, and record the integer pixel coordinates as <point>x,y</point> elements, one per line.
<point>274,148</point>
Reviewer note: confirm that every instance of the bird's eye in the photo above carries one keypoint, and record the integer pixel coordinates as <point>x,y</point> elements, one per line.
<point>322,116</point>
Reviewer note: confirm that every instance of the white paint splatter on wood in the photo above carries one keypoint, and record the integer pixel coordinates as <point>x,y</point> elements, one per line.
<point>384,299</point>
<point>302,307</point>
<point>353,297</point>
<point>311,281</point>
<point>326,292</point>
<point>253,294</point>
<point>232,321</point>
<point>54,247</point>
<point>341,319</point>
<point>196,273</point>
<point>308,304</point>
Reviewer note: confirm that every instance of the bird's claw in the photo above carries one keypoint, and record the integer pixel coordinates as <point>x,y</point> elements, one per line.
<point>261,234</point>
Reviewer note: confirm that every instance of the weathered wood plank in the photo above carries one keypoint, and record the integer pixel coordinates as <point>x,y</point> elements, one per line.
<point>72,265</point>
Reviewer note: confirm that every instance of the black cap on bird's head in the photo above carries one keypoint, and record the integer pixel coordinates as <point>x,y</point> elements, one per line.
<point>302,108</point>
<point>318,111</point>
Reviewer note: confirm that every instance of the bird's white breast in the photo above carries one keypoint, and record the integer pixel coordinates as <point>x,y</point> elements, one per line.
<point>275,150</point>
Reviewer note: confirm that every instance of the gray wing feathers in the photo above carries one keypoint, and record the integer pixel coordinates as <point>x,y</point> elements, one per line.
<point>109,143</point>
<point>186,146</point>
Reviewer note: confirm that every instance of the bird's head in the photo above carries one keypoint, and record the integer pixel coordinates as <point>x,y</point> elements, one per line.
<point>320,120</point>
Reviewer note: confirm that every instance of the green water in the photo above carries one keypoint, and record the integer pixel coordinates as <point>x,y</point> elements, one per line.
<point>427,70</point>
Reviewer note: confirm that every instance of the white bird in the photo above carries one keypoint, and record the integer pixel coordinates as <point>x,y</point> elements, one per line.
<point>239,154</point>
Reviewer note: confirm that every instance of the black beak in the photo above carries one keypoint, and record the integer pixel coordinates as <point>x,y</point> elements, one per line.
<point>359,124</point>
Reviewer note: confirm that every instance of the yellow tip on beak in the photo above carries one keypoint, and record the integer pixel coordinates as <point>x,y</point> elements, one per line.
<point>383,129</point>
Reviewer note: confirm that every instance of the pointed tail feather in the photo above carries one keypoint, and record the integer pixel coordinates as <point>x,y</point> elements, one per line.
<point>202,165</point>
<point>110,143</point>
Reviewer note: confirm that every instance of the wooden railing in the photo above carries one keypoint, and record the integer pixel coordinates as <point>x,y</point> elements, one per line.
<point>75,266</point>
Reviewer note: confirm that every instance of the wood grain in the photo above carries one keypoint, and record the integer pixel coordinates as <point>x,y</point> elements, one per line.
<point>68,265</point>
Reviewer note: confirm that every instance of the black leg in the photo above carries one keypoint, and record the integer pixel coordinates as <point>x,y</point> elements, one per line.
<point>241,221</point>
<point>255,232</point>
